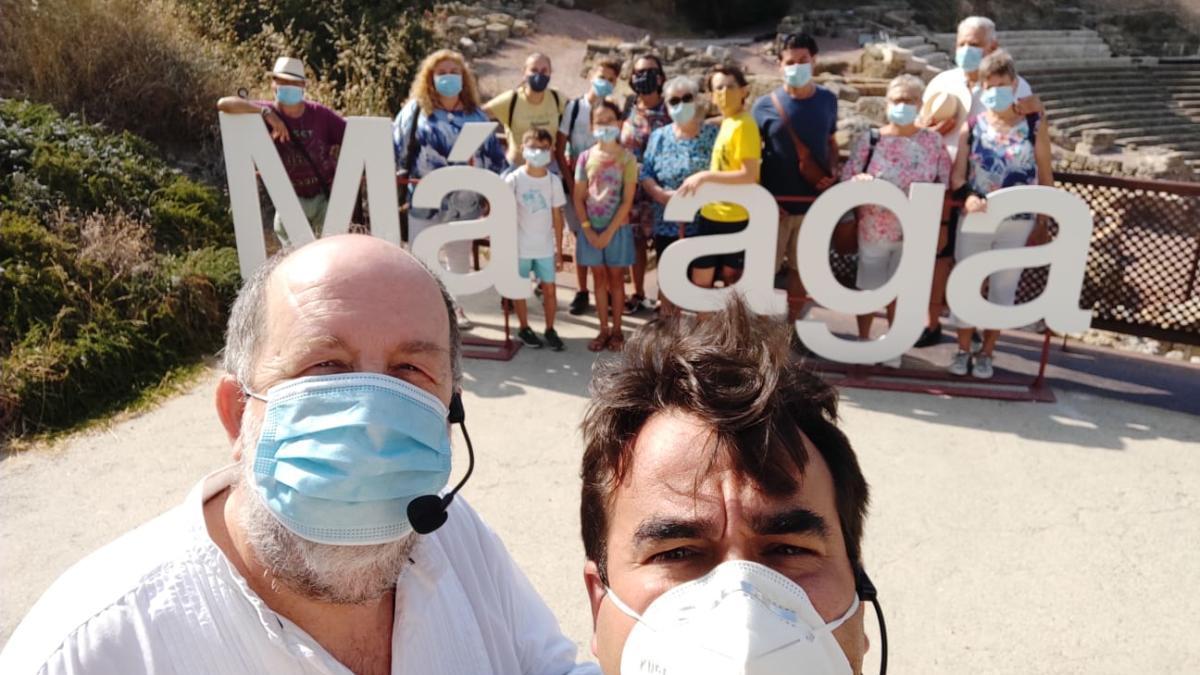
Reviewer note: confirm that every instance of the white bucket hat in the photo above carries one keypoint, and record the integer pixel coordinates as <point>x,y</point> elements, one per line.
<point>288,68</point>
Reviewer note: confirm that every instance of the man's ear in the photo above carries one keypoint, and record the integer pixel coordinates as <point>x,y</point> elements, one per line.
<point>231,403</point>
<point>596,592</point>
<point>595,588</point>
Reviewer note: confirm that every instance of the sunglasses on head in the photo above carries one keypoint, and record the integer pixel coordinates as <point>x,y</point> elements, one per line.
<point>676,100</point>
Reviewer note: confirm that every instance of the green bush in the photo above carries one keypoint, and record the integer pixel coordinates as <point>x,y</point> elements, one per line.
<point>114,269</point>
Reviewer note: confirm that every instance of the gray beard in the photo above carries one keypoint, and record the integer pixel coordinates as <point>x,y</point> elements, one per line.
<point>344,575</point>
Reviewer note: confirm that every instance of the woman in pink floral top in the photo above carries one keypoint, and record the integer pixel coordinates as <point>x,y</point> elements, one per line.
<point>902,154</point>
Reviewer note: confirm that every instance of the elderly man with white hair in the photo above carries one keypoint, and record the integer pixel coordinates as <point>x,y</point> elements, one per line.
<point>975,39</point>
<point>304,556</point>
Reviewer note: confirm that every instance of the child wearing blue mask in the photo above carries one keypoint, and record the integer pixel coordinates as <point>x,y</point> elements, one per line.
<point>540,202</point>
<point>605,183</point>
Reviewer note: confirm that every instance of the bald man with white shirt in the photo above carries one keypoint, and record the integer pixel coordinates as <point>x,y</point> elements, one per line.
<point>323,357</point>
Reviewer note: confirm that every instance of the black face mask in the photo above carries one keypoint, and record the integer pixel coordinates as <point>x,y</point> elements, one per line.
<point>646,81</point>
<point>538,81</point>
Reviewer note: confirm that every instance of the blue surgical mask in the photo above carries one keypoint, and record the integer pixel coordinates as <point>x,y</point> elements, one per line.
<point>536,157</point>
<point>797,74</point>
<point>682,113</point>
<point>998,98</point>
<point>968,58</point>
<point>341,456</point>
<point>606,134</point>
<point>602,87</point>
<point>449,84</point>
<point>288,94</point>
<point>902,114</point>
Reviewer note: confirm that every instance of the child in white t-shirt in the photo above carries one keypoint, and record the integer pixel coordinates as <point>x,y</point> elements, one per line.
<point>540,201</point>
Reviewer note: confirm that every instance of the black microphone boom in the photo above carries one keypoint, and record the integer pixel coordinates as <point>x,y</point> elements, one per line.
<point>428,512</point>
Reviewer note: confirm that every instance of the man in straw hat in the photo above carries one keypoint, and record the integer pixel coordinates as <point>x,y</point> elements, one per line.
<point>308,136</point>
<point>953,95</point>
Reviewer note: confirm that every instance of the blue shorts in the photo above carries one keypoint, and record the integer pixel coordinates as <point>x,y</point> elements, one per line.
<point>542,268</point>
<point>618,253</point>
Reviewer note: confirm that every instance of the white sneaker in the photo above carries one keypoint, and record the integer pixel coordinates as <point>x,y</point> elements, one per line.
<point>464,322</point>
<point>961,363</point>
<point>982,369</point>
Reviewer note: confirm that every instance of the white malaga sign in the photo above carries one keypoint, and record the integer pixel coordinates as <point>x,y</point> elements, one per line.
<point>367,149</point>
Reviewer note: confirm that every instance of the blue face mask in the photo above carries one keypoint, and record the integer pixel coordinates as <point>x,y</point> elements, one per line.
<point>797,74</point>
<point>606,134</point>
<point>902,114</point>
<point>449,84</point>
<point>287,94</point>
<point>536,157</point>
<point>682,113</point>
<point>602,87</point>
<point>968,58</point>
<point>341,456</point>
<point>998,98</point>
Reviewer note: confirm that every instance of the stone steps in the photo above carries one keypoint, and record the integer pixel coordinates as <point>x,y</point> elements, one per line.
<point>1034,65</point>
<point>1059,53</point>
<point>1066,116</point>
<point>1083,102</point>
<point>945,41</point>
<point>1172,128</point>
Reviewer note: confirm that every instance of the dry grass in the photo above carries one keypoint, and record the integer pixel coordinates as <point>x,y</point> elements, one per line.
<point>130,64</point>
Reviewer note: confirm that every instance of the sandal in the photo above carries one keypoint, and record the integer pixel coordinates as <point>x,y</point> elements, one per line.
<point>616,342</point>
<point>599,342</point>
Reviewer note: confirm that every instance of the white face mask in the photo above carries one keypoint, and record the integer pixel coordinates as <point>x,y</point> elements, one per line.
<point>741,618</point>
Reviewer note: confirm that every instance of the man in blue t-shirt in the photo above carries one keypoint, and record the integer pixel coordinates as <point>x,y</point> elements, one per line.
<point>811,112</point>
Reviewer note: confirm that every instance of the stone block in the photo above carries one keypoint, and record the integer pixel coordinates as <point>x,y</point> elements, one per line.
<point>717,53</point>
<point>476,22</point>
<point>521,28</point>
<point>497,33</point>
<point>1099,140</point>
<point>468,47</point>
<point>873,108</point>
<point>499,17</point>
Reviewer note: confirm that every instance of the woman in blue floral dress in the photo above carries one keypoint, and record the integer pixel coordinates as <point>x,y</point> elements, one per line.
<point>673,153</point>
<point>1000,148</point>
<point>443,98</point>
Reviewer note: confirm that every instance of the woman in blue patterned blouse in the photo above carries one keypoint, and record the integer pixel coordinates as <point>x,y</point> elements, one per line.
<point>673,153</point>
<point>443,98</point>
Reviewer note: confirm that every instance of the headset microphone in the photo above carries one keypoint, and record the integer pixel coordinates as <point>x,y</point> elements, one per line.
<point>428,512</point>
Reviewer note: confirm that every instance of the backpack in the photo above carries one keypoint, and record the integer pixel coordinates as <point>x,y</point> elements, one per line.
<point>574,116</point>
<point>512,108</point>
<point>871,152</point>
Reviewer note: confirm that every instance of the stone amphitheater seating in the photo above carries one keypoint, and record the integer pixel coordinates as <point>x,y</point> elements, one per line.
<point>1144,104</point>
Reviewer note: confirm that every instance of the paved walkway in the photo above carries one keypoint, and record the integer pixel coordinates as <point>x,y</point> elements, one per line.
<point>1004,537</point>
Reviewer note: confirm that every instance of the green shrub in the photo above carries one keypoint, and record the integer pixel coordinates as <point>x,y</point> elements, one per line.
<point>48,162</point>
<point>114,269</point>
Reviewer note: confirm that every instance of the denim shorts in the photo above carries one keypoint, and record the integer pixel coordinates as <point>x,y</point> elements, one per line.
<point>618,253</point>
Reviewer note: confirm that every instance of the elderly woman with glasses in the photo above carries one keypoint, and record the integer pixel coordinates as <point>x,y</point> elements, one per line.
<point>673,153</point>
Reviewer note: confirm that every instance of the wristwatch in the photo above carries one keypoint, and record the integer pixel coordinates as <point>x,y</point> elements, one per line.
<point>266,110</point>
